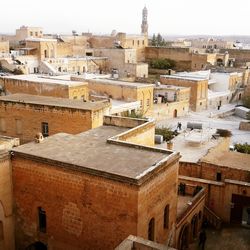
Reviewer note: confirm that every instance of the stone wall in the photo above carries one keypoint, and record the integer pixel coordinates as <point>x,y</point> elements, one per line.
<point>24,120</point>
<point>6,204</point>
<point>198,93</point>
<point>13,86</point>
<point>245,125</point>
<point>88,212</point>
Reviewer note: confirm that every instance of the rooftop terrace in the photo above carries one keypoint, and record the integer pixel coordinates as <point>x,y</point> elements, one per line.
<point>53,101</point>
<point>42,79</point>
<point>91,153</point>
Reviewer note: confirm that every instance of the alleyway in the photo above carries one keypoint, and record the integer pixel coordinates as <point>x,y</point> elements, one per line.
<point>229,238</point>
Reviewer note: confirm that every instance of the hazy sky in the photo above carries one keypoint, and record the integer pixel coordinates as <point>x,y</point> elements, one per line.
<point>183,17</point>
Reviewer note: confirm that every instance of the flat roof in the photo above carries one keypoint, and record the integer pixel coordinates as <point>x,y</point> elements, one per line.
<point>42,79</point>
<point>172,87</point>
<point>52,101</point>
<point>121,83</point>
<point>89,152</point>
<point>37,39</point>
<point>182,77</point>
<point>228,159</point>
<point>193,146</point>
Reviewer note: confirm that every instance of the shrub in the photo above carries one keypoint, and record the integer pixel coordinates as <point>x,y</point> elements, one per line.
<point>242,148</point>
<point>17,72</point>
<point>166,132</point>
<point>162,64</point>
<point>224,132</point>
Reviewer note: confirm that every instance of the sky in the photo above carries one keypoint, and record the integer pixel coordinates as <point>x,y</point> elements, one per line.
<point>175,17</point>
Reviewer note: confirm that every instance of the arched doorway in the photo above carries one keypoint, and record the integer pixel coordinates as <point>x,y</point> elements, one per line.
<point>37,246</point>
<point>45,53</point>
<point>220,62</point>
<point>240,96</point>
<point>194,226</point>
<point>184,238</point>
<point>175,113</point>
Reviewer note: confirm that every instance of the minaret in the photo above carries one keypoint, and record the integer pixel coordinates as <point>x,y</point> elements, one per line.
<point>144,24</point>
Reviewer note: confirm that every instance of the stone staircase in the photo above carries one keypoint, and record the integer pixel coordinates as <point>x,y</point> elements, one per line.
<point>212,218</point>
<point>47,68</point>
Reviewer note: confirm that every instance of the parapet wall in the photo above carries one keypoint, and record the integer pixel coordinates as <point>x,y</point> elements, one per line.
<point>125,122</point>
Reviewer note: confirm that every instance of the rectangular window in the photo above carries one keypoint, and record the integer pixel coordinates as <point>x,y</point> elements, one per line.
<point>2,125</point>
<point>42,220</point>
<point>148,102</point>
<point>166,217</point>
<point>218,176</point>
<point>140,103</point>
<point>19,130</point>
<point>31,33</point>
<point>45,129</point>
<point>36,33</point>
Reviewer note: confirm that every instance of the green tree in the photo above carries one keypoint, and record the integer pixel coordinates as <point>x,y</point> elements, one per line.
<point>242,148</point>
<point>166,132</point>
<point>153,42</point>
<point>162,63</point>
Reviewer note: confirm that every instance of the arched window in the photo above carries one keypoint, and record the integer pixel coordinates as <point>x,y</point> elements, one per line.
<point>151,229</point>
<point>166,217</point>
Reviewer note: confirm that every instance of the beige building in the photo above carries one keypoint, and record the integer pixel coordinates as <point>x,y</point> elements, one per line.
<point>125,61</point>
<point>4,49</point>
<point>45,86</point>
<point>42,47</point>
<point>123,91</point>
<point>211,44</point>
<point>198,85</point>
<point>170,101</point>
<point>24,116</point>
<point>25,32</point>
<point>7,232</point>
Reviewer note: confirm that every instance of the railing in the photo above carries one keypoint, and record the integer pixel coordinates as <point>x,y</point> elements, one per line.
<point>192,203</point>
<point>212,218</point>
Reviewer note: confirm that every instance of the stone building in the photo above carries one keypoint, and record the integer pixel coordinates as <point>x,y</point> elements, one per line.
<point>7,236</point>
<point>198,85</point>
<point>187,59</point>
<point>4,49</point>
<point>110,186</point>
<point>124,61</point>
<point>25,32</point>
<point>170,101</point>
<point>45,86</point>
<point>23,115</point>
<point>123,91</point>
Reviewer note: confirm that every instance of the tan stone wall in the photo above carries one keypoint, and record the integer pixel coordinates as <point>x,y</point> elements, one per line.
<point>199,61</point>
<point>25,32</point>
<point>13,86</point>
<point>79,92</point>
<point>64,49</point>
<point>66,120</point>
<point>241,56</point>
<point>126,93</point>
<point>6,204</point>
<point>198,93</point>
<point>143,135</point>
<point>4,48</point>
<point>44,49</point>
<point>162,111</point>
<point>245,125</point>
<point>85,212</point>
<point>152,200</point>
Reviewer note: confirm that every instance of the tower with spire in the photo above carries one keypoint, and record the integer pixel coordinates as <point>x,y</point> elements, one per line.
<point>144,25</point>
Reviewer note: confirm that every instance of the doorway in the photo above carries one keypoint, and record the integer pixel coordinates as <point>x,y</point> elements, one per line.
<point>175,113</point>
